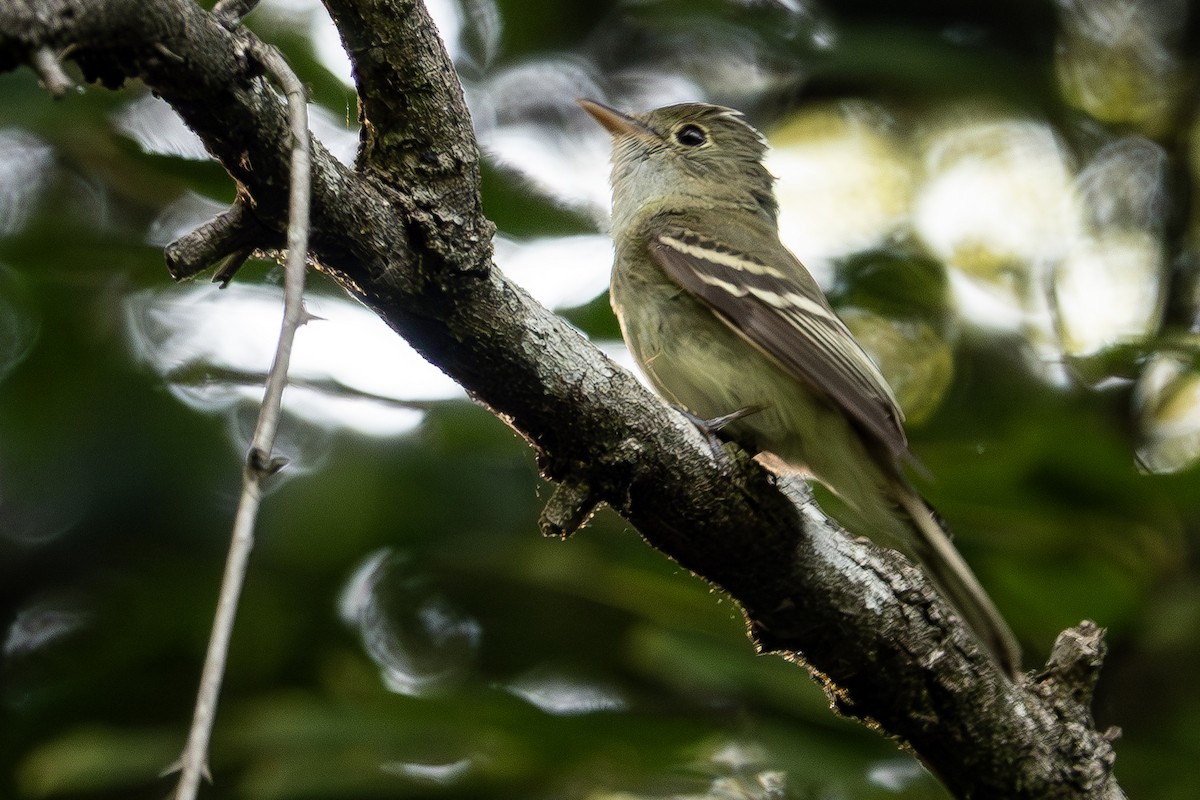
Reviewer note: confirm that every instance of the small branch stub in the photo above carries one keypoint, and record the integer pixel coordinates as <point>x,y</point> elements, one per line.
<point>230,265</point>
<point>51,73</point>
<point>233,10</point>
<point>227,239</point>
<point>1073,668</point>
<point>569,509</point>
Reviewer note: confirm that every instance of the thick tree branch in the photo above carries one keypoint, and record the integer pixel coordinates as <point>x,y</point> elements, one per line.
<point>404,233</point>
<point>417,133</point>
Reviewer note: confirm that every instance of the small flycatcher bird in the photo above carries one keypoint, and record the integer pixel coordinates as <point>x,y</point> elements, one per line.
<point>722,317</point>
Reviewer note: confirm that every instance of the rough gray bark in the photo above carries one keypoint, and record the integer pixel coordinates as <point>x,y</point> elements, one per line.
<point>404,233</point>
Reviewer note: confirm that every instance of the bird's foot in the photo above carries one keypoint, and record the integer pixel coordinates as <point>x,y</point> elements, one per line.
<point>717,423</point>
<point>711,427</point>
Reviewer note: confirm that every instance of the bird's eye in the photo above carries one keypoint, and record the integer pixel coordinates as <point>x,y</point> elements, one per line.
<point>691,135</point>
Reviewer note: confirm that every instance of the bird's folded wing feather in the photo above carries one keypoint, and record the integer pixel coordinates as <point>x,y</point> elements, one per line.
<point>789,321</point>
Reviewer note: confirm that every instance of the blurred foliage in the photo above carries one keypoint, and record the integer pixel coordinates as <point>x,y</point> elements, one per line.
<point>591,668</point>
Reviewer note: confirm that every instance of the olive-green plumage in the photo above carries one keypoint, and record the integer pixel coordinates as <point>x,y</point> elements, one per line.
<point>721,317</point>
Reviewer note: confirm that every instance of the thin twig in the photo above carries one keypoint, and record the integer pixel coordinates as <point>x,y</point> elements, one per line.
<point>259,464</point>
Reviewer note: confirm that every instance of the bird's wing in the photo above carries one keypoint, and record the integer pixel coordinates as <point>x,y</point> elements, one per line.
<point>789,320</point>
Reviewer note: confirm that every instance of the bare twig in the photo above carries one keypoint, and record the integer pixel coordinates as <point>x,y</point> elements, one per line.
<point>259,464</point>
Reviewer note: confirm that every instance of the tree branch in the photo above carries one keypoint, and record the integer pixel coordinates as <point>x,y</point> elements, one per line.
<point>405,234</point>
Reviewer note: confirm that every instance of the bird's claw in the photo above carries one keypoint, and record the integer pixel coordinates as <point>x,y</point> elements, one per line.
<point>710,428</point>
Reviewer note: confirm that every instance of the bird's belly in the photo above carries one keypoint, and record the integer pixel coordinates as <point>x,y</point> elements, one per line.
<point>695,360</point>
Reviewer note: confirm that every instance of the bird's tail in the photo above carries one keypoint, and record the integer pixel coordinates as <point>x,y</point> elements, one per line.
<point>949,571</point>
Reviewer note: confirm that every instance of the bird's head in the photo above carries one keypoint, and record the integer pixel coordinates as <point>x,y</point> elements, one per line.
<point>693,150</point>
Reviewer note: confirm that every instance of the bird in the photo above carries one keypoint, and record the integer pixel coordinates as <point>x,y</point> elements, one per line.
<point>727,324</point>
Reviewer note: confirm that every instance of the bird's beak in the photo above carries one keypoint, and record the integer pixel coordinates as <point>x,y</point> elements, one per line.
<point>616,122</point>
